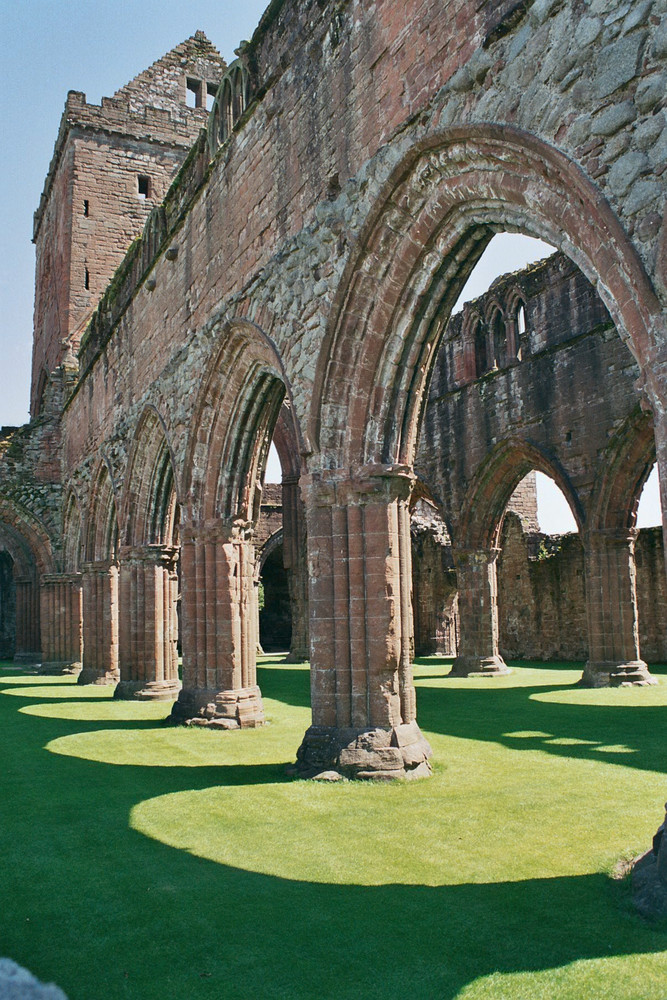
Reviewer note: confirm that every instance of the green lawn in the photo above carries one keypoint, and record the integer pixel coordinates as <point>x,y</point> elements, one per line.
<point>174,864</point>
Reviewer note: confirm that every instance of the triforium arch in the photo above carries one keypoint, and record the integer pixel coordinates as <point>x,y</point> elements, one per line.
<point>435,216</point>
<point>609,544</point>
<point>100,582</point>
<point>231,102</point>
<point>234,418</point>
<point>148,581</point>
<point>475,540</point>
<point>28,544</point>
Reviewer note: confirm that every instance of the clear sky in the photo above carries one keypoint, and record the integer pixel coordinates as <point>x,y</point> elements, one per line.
<point>48,47</point>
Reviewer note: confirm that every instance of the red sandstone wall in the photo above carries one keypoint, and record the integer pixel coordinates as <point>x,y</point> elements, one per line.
<point>542,597</point>
<point>651,595</point>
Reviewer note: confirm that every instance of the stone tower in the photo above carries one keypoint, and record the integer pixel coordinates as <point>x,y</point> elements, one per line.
<point>111,165</point>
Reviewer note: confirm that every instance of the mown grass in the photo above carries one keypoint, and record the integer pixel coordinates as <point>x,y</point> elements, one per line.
<point>147,862</point>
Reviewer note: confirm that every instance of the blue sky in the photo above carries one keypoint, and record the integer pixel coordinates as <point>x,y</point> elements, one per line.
<point>48,47</point>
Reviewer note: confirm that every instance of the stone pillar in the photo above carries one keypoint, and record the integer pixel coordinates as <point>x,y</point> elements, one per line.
<point>148,618</point>
<point>61,623</point>
<point>219,628</point>
<point>611,606</point>
<point>27,620</point>
<point>363,698</point>
<point>476,575</point>
<point>295,558</point>
<point>100,623</point>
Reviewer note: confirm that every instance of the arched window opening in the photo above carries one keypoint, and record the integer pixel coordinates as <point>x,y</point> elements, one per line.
<point>226,111</point>
<point>541,577</point>
<point>481,351</point>
<point>649,510</point>
<point>274,469</point>
<point>498,339</point>
<point>506,253</point>
<point>7,607</point>
<point>275,614</point>
<point>521,319</point>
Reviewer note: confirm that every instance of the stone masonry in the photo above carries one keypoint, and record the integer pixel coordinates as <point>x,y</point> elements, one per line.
<point>301,269</point>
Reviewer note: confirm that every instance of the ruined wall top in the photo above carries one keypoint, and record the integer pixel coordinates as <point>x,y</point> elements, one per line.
<point>151,108</point>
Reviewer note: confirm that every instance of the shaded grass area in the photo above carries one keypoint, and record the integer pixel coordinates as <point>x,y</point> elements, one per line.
<point>148,862</point>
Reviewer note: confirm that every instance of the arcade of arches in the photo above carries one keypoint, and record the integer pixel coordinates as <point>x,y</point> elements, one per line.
<point>293,263</point>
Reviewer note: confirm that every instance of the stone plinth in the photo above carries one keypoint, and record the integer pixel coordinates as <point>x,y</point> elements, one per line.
<point>148,656</point>
<point>61,617</point>
<point>219,627</point>
<point>373,754</point>
<point>237,709</point>
<point>476,575</point>
<point>100,623</point>
<point>611,605</point>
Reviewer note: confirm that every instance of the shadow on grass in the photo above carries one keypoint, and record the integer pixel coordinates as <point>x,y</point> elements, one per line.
<point>492,713</point>
<point>79,886</point>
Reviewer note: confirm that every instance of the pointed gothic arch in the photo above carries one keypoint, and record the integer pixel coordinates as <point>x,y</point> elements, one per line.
<point>150,497</point>
<point>435,216</point>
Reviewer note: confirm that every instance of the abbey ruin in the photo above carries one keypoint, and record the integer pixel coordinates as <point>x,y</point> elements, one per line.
<point>283,267</point>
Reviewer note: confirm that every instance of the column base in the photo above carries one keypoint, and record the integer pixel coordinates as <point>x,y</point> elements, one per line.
<point>57,668</point>
<point>31,659</point>
<point>607,673</point>
<point>649,888</point>
<point>371,754</point>
<point>235,709</point>
<point>298,656</point>
<point>148,690</point>
<point>89,675</point>
<point>479,666</point>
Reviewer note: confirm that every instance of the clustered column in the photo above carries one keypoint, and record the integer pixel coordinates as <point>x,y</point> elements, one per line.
<point>27,620</point>
<point>611,604</point>
<point>61,623</point>
<point>148,650</point>
<point>295,562</point>
<point>476,574</point>
<point>219,628</point>
<point>100,623</point>
<point>362,694</point>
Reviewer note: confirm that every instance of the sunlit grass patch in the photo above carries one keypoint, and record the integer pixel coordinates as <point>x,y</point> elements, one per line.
<point>179,862</point>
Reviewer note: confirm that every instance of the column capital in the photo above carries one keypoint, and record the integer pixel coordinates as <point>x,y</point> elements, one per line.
<point>99,567</point>
<point>358,485</point>
<point>603,537</point>
<point>474,557</point>
<point>216,530</point>
<point>158,555</point>
<point>53,578</point>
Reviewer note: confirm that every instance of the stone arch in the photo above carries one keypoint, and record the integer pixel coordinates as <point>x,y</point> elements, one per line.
<point>150,500</point>
<point>148,574</point>
<point>72,534</point>
<point>101,530</point>
<point>436,214</point>
<point>233,422</point>
<point>496,479</point>
<point>286,440</point>
<point>231,101</point>
<point>26,540</point>
<point>495,321</point>
<point>234,418</point>
<point>627,465</point>
<point>28,544</point>
<point>516,320</point>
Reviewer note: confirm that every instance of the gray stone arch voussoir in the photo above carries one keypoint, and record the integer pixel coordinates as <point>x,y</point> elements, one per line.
<point>434,217</point>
